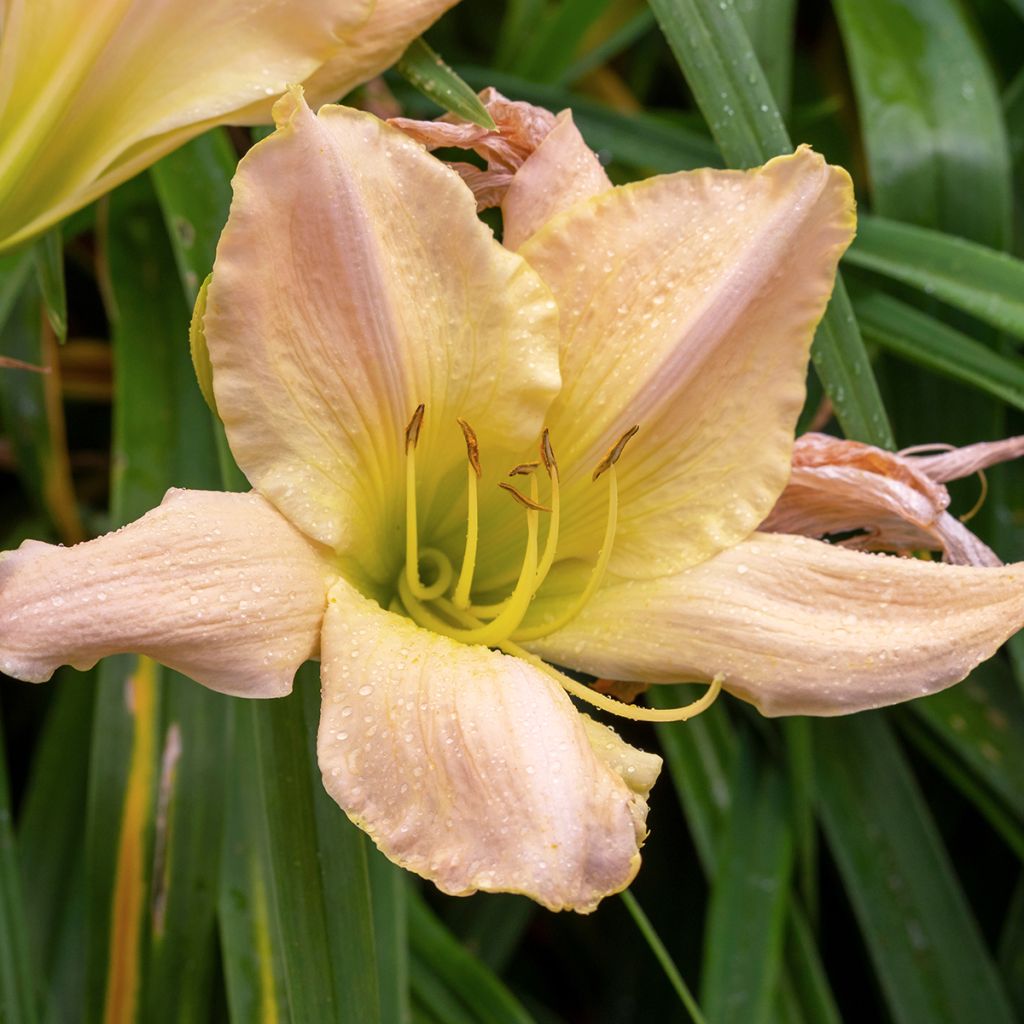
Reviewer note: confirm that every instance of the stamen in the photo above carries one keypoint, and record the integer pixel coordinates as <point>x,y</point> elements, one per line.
<point>530,503</point>
<point>614,452</point>
<point>503,625</point>
<point>551,541</point>
<point>412,558</point>
<point>465,583</point>
<point>632,711</point>
<point>603,558</point>
<point>523,469</point>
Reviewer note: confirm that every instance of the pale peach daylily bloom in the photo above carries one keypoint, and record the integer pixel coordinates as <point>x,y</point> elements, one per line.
<point>93,91</point>
<point>355,285</point>
<point>887,501</point>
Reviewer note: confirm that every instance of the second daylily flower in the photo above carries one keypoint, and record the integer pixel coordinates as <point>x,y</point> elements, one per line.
<point>93,92</point>
<point>381,364</point>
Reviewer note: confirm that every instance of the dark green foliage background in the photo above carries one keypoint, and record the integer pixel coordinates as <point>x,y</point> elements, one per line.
<point>798,872</point>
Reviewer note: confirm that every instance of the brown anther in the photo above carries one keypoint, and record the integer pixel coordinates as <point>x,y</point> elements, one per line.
<point>547,453</point>
<point>523,469</point>
<point>412,432</point>
<point>523,499</point>
<point>472,446</point>
<point>614,452</point>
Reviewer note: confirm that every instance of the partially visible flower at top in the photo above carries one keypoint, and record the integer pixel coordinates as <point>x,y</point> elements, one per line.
<point>452,495</point>
<point>93,91</point>
<point>887,501</point>
<point>537,162</point>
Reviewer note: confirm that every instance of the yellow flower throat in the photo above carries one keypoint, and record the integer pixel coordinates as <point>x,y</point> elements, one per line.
<point>445,605</point>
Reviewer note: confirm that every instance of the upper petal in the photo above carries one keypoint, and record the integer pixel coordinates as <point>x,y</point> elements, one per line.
<point>798,626</point>
<point>472,768</point>
<point>217,586</point>
<point>354,281</point>
<point>688,303</point>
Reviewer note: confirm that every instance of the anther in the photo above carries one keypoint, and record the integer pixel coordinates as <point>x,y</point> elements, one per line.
<point>472,446</point>
<point>523,469</point>
<point>547,453</point>
<point>412,431</point>
<point>523,499</point>
<point>614,452</point>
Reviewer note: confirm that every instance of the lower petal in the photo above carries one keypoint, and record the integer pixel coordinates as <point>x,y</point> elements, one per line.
<point>798,626</point>
<point>217,586</point>
<point>470,767</point>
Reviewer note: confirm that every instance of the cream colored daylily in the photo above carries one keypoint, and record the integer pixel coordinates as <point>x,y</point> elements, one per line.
<point>93,91</point>
<point>381,364</point>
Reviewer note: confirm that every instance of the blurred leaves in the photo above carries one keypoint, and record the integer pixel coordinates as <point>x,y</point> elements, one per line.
<point>175,856</point>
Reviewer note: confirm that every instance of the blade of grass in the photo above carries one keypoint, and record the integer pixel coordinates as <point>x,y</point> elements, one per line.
<point>435,948</point>
<point>18,991</point>
<point>621,39</point>
<point>1011,949</point>
<point>907,332</point>
<point>427,72</point>
<point>747,913</point>
<point>49,260</point>
<point>50,827</point>
<point>932,126</point>
<point>981,281</point>
<point>717,58</point>
<point>925,945</point>
<point>657,947</point>
<point>769,24</point>
<point>389,885</point>
<point>554,42</point>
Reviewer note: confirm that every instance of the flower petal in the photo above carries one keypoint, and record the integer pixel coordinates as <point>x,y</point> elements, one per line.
<point>839,486</point>
<point>472,768</point>
<point>354,281</point>
<point>378,43</point>
<point>798,626</point>
<point>688,303</point>
<point>86,83</point>
<point>961,462</point>
<point>561,171</point>
<point>217,586</point>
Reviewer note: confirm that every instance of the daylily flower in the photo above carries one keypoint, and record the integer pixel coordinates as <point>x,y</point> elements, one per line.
<point>93,92</point>
<point>888,501</point>
<point>381,365</point>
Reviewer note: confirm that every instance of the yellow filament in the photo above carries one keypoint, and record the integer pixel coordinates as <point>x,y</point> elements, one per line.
<point>551,542</point>
<point>412,545</point>
<point>596,575</point>
<point>616,707</point>
<point>504,624</point>
<point>461,596</point>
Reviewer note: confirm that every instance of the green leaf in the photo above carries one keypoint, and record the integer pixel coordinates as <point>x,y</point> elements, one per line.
<point>280,771</point>
<point>49,260</point>
<point>1011,949</point>
<point>729,85</point>
<point>747,914</point>
<point>927,950</point>
<point>50,828</point>
<point>608,48</point>
<point>193,187</point>
<point>426,71</point>
<point>985,283</point>
<point>769,24</point>
<point>31,401</point>
<point>553,42</point>
<point>434,947</point>
<point>250,940</point>
<point>932,122</point>
<point>17,981</point>
<point>920,338</point>
<point>389,886</point>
